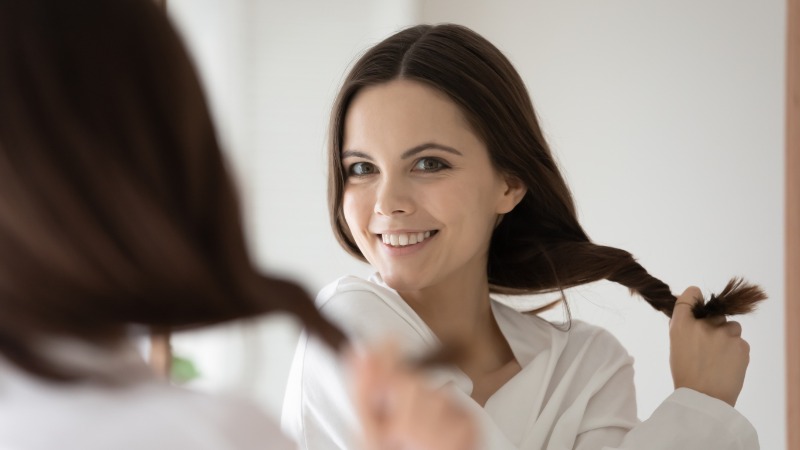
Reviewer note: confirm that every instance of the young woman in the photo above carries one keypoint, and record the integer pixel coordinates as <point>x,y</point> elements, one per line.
<point>440,178</point>
<point>117,215</point>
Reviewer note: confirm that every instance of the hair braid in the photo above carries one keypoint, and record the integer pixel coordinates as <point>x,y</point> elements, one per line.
<point>561,265</point>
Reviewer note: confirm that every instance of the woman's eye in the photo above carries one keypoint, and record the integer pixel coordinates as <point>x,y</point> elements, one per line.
<point>430,165</point>
<point>361,169</point>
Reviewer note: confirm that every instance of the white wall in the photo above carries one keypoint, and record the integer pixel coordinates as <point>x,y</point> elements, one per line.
<point>667,118</point>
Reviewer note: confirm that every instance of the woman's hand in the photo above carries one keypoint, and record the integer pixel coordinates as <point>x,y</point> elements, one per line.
<point>398,411</point>
<point>707,355</point>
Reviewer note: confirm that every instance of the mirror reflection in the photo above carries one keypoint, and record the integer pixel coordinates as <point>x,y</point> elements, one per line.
<point>665,121</point>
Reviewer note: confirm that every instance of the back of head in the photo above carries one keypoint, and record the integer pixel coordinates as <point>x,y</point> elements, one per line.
<point>115,204</point>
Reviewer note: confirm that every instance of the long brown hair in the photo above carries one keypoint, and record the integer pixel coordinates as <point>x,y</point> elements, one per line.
<point>539,246</point>
<point>116,207</point>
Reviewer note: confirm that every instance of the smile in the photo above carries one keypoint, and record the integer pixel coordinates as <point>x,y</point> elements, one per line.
<point>406,239</point>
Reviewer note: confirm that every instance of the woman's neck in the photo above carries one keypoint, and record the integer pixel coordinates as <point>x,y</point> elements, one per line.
<point>459,310</point>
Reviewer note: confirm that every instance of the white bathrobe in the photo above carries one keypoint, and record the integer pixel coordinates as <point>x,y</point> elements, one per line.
<point>575,390</point>
<point>146,413</point>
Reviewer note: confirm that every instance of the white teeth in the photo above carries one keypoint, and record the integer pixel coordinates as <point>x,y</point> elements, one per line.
<point>402,240</point>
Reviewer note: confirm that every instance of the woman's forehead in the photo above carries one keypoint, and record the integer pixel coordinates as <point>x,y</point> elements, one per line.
<point>404,113</point>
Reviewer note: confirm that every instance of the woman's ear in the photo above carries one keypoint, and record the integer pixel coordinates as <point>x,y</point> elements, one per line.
<point>515,190</point>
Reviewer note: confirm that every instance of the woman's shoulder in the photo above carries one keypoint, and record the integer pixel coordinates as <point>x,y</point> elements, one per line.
<point>217,420</point>
<point>593,344</point>
<point>573,340</point>
<point>593,335</point>
<point>232,419</point>
<point>353,286</point>
<point>352,296</point>
<point>596,346</point>
<point>144,414</point>
<point>368,310</point>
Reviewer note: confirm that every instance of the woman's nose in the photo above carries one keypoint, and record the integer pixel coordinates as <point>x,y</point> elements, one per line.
<point>393,197</point>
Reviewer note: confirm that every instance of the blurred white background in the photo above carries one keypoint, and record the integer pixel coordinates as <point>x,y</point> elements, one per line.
<point>667,119</point>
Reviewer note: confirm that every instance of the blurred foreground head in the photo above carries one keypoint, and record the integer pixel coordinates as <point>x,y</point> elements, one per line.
<point>116,207</point>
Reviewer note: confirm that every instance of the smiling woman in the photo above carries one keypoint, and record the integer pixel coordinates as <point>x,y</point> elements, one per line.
<point>423,162</point>
<point>672,144</point>
<point>433,134</point>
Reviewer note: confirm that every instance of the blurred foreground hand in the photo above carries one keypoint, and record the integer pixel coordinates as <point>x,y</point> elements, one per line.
<point>398,411</point>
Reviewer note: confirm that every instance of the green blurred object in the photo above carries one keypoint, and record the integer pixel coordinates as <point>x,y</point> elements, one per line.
<point>183,370</point>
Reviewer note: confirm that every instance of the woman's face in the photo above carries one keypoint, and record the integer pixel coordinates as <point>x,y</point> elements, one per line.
<point>421,197</point>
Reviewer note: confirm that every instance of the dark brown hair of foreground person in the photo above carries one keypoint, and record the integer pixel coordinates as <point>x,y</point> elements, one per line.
<point>539,246</point>
<point>116,207</point>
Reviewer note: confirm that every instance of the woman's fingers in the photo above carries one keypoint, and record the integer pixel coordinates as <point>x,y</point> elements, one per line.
<point>734,329</point>
<point>716,320</point>
<point>682,310</point>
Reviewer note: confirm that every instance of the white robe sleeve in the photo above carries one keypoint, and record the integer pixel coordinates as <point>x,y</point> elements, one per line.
<point>686,420</point>
<point>689,420</point>
<point>318,411</point>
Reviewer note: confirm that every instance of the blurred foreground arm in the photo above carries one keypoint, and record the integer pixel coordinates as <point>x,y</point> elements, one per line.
<point>399,411</point>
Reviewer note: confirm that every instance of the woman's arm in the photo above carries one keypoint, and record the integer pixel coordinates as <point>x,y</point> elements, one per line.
<point>708,360</point>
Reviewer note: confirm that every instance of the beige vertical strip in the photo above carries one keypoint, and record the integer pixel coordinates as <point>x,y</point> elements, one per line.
<point>793,223</point>
<point>160,354</point>
<point>160,349</point>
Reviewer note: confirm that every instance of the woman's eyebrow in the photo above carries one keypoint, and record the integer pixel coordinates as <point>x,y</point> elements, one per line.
<point>428,145</point>
<point>355,154</point>
<point>406,154</point>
